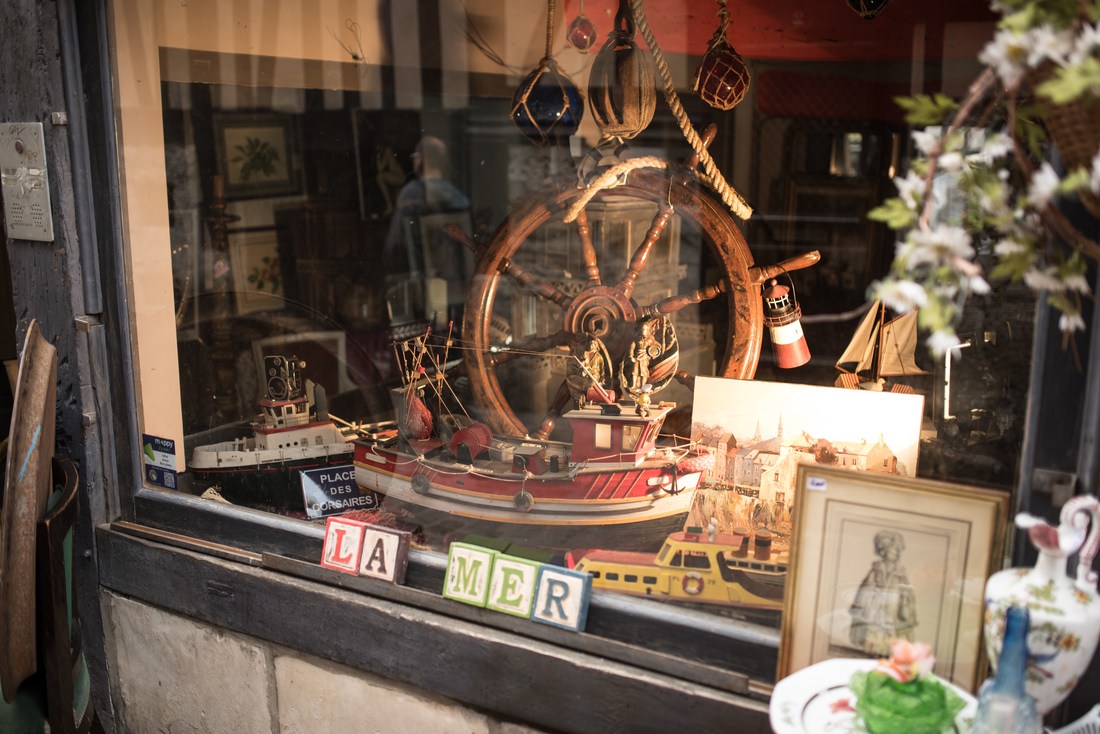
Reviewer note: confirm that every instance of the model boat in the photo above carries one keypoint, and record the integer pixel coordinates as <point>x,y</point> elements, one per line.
<point>612,485</point>
<point>880,349</point>
<point>292,432</point>
<point>694,566</point>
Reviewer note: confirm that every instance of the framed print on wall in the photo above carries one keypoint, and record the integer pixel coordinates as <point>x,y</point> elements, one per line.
<point>256,154</point>
<point>877,557</point>
<point>257,270</point>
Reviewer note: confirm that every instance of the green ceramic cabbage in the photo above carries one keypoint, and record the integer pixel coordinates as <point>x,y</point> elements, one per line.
<point>922,706</point>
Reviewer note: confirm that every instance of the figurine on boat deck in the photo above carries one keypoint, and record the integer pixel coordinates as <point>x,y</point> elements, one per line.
<point>589,371</point>
<point>650,363</point>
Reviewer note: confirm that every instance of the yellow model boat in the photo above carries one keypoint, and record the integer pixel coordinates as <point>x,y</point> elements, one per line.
<point>695,565</point>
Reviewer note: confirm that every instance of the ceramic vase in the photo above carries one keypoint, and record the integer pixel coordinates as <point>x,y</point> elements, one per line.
<point>1065,610</point>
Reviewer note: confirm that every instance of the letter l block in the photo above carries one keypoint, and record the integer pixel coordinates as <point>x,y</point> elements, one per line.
<point>343,544</point>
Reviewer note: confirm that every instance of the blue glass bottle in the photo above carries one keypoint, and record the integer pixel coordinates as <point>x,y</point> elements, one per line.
<point>1004,706</point>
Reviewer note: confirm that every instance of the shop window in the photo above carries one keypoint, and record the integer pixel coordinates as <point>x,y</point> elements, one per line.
<point>316,237</point>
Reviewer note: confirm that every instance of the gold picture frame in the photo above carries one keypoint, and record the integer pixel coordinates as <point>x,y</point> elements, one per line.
<point>876,556</point>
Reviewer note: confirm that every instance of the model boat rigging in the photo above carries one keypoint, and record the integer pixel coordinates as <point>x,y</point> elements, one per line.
<point>613,485</point>
<point>880,349</point>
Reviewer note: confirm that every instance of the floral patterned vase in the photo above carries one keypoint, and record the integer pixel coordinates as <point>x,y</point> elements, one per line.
<point>1065,611</point>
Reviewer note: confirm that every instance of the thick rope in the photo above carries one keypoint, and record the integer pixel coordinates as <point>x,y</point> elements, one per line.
<point>610,177</point>
<point>713,176</point>
<point>550,27</point>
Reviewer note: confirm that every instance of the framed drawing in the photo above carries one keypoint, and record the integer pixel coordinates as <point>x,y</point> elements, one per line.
<point>257,270</point>
<point>877,557</point>
<point>256,154</point>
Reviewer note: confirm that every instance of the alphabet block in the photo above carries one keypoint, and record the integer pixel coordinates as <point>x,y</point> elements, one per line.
<point>561,597</point>
<point>343,544</point>
<point>512,585</point>
<point>468,569</point>
<point>385,554</point>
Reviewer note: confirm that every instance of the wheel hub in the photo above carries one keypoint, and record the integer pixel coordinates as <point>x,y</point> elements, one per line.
<point>604,312</point>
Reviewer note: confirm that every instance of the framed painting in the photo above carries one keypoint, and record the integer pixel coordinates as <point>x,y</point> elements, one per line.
<point>876,558</point>
<point>760,433</point>
<point>257,154</point>
<point>257,270</point>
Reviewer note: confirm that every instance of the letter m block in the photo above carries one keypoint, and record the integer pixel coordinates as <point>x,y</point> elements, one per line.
<point>468,569</point>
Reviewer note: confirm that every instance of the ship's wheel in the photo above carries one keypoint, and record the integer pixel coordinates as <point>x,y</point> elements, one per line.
<point>603,306</point>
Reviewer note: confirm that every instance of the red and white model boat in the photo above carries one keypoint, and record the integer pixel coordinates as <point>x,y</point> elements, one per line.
<point>612,486</point>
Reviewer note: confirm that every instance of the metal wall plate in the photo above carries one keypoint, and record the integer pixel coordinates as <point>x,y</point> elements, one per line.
<point>25,179</point>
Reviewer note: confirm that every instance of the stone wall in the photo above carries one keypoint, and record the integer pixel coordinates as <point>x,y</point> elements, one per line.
<point>173,675</point>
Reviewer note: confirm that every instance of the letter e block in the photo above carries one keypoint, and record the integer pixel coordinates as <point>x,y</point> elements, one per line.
<point>468,569</point>
<point>343,544</point>
<point>385,554</point>
<point>512,585</point>
<point>561,597</point>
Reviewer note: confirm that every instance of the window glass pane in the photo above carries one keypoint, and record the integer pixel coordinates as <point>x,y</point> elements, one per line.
<point>343,253</point>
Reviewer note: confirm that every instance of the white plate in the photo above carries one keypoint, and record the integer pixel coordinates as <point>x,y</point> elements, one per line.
<point>817,699</point>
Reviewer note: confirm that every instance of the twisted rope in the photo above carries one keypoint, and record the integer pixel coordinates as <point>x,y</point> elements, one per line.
<point>609,177</point>
<point>550,27</point>
<point>711,174</point>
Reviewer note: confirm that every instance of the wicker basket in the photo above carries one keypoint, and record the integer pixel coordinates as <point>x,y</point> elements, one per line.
<point>1074,128</point>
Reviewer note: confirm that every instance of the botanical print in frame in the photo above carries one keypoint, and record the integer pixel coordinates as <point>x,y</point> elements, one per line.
<point>256,154</point>
<point>760,432</point>
<point>257,270</point>
<point>877,557</point>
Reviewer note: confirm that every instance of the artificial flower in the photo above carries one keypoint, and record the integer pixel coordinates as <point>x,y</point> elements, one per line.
<point>1005,221</point>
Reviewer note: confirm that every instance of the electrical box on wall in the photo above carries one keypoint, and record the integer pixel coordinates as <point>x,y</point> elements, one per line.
<point>26,184</point>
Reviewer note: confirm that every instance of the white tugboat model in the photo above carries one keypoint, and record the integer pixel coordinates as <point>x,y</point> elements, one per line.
<point>292,432</point>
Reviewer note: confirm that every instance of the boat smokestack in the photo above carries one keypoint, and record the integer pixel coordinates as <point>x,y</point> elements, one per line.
<point>320,401</point>
<point>743,549</point>
<point>763,550</point>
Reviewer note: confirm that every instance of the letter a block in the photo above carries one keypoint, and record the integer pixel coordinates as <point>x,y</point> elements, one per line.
<point>468,569</point>
<point>343,544</point>
<point>385,554</point>
<point>561,598</point>
<point>512,585</point>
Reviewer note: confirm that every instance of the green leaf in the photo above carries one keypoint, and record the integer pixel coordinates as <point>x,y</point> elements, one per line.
<point>1078,179</point>
<point>924,109</point>
<point>894,213</point>
<point>1071,82</point>
<point>1012,267</point>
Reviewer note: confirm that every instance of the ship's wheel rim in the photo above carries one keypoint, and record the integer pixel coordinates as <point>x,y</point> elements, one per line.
<point>689,199</point>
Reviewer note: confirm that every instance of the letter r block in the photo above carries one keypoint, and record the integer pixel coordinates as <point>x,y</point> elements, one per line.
<point>512,585</point>
<point>468,570</point>
<point>561,598</point>
<point>385,554</point>
<point>343,544</point>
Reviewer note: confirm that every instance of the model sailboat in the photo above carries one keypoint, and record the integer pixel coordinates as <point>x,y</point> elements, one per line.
<point>879,350</point>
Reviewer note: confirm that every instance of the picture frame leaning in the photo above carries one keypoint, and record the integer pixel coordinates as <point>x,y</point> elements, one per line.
<point>874,557</point>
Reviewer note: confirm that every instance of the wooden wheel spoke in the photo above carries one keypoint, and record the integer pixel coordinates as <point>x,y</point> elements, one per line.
<point>641,256</point>
<point>530,347</point>
<point>535,284</point>
<point>588,250</point>
<point>686,379</point>
<point>531,282</point>
<point>675,303</point>
<point>553,413</point>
